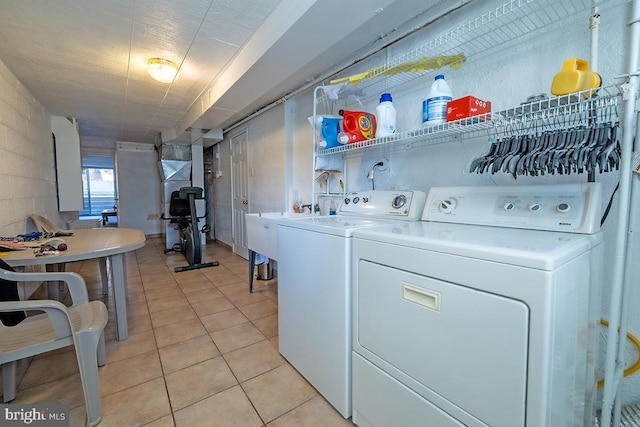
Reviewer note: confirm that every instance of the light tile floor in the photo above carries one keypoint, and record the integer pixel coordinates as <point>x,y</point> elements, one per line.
<point>202,351</point>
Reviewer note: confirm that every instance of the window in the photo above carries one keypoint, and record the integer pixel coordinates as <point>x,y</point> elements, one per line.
<point>98,184</point>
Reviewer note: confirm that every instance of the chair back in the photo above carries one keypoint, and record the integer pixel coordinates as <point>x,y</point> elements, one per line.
<point>9,292</point>
<point>178,207</point>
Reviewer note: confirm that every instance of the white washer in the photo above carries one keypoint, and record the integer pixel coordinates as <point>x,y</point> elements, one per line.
<point>459,324</point>
<point>314,287</point>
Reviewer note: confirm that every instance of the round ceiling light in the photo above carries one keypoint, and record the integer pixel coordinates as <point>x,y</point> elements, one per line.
<point>162,70</point>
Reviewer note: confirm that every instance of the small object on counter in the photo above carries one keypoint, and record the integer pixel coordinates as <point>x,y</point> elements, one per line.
<point>385,116</point>
<point>467,106</point>
<point>434,108</point>
<point>575,76</point>
<point>332,208</point>
<point>35,235</point>
<point>12,246</point>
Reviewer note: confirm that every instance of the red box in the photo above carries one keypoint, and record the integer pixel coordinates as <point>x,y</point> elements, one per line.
<point>468,106</point>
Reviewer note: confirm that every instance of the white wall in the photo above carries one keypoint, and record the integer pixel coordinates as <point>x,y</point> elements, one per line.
<point>266,157</point>
<point>27,169</point>
<point>139,188</point>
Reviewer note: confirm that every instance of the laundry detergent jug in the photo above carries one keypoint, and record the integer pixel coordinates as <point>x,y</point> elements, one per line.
<point>357,126</point>
<point>330,131</point>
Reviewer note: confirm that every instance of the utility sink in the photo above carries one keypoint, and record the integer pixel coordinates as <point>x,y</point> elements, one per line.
<point>262,231</point>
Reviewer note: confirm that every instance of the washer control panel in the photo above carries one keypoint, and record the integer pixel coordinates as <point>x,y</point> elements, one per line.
<point>563,207</point>
<point>401,204</point>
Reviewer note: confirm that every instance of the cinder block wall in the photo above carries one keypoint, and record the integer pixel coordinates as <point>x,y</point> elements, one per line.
<point>27,166</point>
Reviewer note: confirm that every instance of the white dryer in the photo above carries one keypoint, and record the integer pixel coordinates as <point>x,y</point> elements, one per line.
<point>477,325</point>
<point>314,286</point>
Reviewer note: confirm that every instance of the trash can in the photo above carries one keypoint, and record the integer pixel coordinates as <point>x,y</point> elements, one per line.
<point>265,270</point>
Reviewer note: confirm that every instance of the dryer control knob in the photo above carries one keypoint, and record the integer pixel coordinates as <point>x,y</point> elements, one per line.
<point>534,207</point>
<point>563,207</point>
<point>399,201</point>
<point>509,206</point>
<point>447,205</point>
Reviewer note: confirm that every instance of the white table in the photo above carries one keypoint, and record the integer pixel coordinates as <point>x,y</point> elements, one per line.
<point>100,243</point>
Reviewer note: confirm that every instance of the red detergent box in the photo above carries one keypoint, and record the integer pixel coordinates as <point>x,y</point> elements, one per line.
<point>468,106</point>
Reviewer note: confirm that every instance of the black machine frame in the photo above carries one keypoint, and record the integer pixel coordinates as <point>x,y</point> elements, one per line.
<point>182,208</point>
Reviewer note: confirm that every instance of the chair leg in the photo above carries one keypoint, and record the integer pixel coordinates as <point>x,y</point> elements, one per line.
<point>101,353</point>
<point>9,381</point>
<point>86,351</point>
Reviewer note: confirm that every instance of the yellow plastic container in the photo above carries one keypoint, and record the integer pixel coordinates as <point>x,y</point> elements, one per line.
<point>575,76</point>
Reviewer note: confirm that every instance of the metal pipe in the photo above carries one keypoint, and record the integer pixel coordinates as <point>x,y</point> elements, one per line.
<point>626,290</point>
<point>594,25</point>
<point>612,382</point>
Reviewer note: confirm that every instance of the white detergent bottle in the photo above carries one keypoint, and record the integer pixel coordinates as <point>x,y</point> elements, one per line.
<point>434,108</point>
<point>385,116</point>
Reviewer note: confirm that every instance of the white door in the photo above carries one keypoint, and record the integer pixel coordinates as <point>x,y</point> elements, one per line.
<point>240,190</point>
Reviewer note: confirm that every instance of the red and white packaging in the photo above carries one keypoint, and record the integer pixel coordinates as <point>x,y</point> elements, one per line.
<point>467,106</point>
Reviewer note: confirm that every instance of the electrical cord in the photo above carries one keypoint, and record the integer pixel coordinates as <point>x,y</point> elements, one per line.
<point>636,366</point>
<point>373,184</point>
<point>606,211</point>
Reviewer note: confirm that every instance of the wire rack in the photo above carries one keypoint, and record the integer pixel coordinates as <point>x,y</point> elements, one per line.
<point>579,108</point>
<point>509,22</point>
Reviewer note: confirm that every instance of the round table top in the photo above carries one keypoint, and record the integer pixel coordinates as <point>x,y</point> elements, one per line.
<point>84,244</point>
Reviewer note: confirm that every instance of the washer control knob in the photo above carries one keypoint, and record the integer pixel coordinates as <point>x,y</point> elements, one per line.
<point>347,200</point>
<point>399,201</point>
<point>563,207</point>
<point>534,207</point>
<point>356,199</point>
<point>365,199</point>
<point>509,206</point>
<point>447,205</point>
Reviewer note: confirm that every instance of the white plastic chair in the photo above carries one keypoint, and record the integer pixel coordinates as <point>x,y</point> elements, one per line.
<point>82,325</point>
<point>44,225</point>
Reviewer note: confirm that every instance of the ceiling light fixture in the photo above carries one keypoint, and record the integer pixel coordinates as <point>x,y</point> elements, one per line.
<point>162,70</point>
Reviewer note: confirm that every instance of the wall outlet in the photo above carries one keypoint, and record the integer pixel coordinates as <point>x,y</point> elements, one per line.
<point>384,166</point>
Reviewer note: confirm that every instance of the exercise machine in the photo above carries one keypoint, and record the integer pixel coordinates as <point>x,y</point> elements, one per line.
<point>182,208</point>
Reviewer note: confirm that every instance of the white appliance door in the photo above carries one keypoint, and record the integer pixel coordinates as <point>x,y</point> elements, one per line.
<point>468,346</point>
<point>314,310</point>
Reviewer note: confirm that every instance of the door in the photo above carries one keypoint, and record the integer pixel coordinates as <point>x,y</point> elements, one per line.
<point>468,346</point>
<point>240,192</point>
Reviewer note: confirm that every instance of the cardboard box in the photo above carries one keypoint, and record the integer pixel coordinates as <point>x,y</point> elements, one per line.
<point>468,106</point>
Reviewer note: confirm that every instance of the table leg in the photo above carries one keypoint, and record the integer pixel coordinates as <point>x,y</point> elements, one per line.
<point>53,286</point>
<point>252,265</point>
<point>104,276</point>
<point>119,277</point>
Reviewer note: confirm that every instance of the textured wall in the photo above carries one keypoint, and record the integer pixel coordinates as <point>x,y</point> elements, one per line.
<point>27,170</point>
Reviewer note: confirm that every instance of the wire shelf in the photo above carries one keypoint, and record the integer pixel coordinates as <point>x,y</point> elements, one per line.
<point>580,108</point>
<point>509,22</point>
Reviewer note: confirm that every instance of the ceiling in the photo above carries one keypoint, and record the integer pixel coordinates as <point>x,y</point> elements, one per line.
<point>87,59</point>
